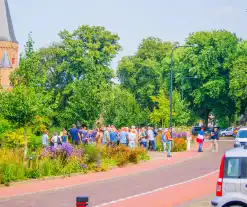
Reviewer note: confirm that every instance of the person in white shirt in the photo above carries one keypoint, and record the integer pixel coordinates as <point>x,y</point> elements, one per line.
<point>189,138</point>
<point>45,138</point>
<point>151,139</point>
<point>132,138</point>
<point>56,140</point>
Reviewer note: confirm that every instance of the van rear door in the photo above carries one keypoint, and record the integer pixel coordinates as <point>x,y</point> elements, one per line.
<point>232,175</point>
<point>244,176</point>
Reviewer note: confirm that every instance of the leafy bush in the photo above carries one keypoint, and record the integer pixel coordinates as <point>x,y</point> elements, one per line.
<point>179,145</point>
<point>92,153</point>
<point>5,126</point>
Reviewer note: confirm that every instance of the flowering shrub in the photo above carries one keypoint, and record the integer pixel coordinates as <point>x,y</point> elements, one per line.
<point>64,160</point>
<point>179,145</point>
<point>179,135</point>
<point>124,155</point>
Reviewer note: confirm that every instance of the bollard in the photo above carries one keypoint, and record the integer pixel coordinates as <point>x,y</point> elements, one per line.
<point>81,201</point>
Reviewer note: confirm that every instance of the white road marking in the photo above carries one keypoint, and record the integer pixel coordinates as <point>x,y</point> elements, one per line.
<point>156,190</point>
<point>7,198</point>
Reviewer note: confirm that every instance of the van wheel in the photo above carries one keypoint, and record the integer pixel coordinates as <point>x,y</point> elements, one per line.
<point>223,135</point>
<point>236,205</point>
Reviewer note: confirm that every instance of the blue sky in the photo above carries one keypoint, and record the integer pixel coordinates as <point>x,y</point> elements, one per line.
<point>133,20</point>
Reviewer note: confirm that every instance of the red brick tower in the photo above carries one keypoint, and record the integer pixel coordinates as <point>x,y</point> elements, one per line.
<point>8,45</point>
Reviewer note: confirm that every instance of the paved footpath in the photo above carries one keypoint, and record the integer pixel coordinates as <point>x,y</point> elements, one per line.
<point>165,182</point>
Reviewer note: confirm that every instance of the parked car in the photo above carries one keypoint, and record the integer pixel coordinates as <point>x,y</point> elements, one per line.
<point>231,190</point>
<point>208,130</point>
<point>228,132</point>
<point>241,137</point>
<point>211,129</point>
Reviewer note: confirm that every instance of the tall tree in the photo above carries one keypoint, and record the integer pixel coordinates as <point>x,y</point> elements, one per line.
<point>211,61</point>
<point>238,78</point>
<point>22,106</point>
<point>75,71</point>
<point>161,113</point>
<point>142,74</point>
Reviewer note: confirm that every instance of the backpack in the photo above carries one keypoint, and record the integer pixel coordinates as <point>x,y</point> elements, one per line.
<point>58,140</point>
<point>155,133</point>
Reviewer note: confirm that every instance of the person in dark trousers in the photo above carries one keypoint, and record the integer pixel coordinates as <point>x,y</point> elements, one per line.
<point>74,132</point>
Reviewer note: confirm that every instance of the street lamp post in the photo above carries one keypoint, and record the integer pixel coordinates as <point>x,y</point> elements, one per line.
<point>171,76</point>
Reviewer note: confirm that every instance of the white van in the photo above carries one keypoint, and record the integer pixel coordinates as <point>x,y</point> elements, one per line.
<point>241,137</point>
<point>231,190</point>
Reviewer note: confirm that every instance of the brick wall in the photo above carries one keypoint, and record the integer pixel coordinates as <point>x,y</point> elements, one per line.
<point>12,50</point>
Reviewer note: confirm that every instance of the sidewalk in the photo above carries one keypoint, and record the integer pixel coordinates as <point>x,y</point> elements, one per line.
<point>35,186</point>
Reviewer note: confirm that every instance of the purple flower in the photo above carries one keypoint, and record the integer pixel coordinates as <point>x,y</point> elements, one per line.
<point>53,149</point>
<point>79,153</point>
<point>65,149</point>
<point>83,166</point>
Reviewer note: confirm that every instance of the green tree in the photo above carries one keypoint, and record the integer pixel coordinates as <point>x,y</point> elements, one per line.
<point>29,72</point>
<point>122,109</point>
<point>75,72</point>
<point>211,61</point>
<point>161,113</point>
<point>22,106</point>
<point>238,78</point>
<point>143,73</point>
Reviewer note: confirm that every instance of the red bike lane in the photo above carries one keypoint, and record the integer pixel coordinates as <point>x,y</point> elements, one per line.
<point>171,196</point>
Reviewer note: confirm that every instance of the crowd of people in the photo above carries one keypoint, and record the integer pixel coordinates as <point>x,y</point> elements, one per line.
<point>110,136</point>
<point>145,137</point>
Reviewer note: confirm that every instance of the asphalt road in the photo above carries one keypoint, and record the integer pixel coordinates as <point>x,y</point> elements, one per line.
<point>117,188</point>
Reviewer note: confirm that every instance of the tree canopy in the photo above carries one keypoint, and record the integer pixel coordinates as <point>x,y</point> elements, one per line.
<point>71,80</point>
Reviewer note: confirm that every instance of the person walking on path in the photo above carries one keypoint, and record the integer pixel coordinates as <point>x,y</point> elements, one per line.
<point>163,140</point>
<point>200,139</point>
<point>189,138</point>
<point>215,137</point>
<point>169,142</point>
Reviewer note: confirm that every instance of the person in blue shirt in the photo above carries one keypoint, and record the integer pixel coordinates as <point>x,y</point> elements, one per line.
<point>201,137</point>
<point>215,137</point>
<point>113,137</point>
<point>123,137</point>
<point>74,132</point>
